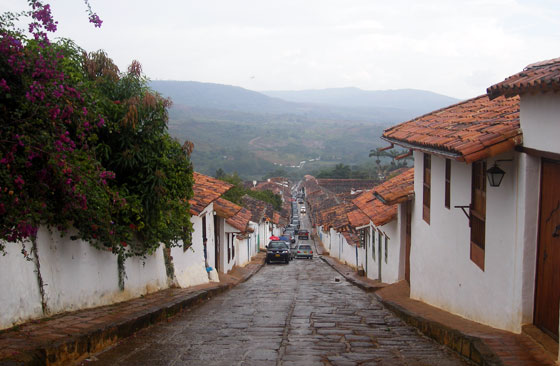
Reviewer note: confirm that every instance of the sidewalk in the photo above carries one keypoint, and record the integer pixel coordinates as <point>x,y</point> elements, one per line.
<point>65,338</point>
<point>480,344</point>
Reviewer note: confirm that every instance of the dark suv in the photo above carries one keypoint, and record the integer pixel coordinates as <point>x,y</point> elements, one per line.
<point>277,251</point>
<point>303,234</point>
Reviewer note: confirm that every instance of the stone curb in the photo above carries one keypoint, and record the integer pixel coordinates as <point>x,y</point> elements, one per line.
<point>469,347</point>
<point>364,286</point>
<point>75,347</point>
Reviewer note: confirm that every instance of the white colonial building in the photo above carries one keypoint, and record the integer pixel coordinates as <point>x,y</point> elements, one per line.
<point>487,250</point>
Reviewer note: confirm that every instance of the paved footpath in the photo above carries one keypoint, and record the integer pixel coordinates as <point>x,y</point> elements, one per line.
<point>303,313</point>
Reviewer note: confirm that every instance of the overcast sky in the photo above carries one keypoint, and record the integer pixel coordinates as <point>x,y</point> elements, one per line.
<point>456,48</point>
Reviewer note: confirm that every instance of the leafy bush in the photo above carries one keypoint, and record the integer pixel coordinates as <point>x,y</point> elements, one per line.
<point>85,146</point>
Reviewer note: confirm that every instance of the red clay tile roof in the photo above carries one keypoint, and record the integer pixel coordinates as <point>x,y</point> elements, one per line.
<point>240,220</point>
<point>346,185</point>
<point>274,187</point>
<point>397,189</point>
<point>357,218</point>
<point>469,131</point>
<point>334,217</point>
<point>260,209</point>
<point>256,207</point>
<point>378,212</point>
<point>235,215</point>
<point>280,218</point>
<point>351,238</point>
<point>225,208</point>
<point>206,190</point>
<point>542,76</point>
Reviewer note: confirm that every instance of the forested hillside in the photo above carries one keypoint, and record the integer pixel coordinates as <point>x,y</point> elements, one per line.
<point>247,132</point>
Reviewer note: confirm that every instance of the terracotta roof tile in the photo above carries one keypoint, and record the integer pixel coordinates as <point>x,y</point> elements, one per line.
<point>260,209</point>
<point>240,220</point>
<point>397,189</point>
<point>257,208</point>
<point>206,190</point>
<point>377,211</point>
<point>346,185</point>
<point>351,238</point>
<point>357,218</point>
<point>475,129</point>
<point>225,208</point>
<point>542,76</point>
<point>235,215</point>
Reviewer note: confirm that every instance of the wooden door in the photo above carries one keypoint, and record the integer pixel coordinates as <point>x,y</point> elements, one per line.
<point>547,292</point>
<point>408,235</point>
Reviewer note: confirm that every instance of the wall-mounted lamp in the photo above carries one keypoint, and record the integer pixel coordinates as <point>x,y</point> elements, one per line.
<point>496,174</point>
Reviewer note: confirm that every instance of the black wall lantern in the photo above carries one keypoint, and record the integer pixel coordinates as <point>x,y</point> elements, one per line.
<point>496,174</point>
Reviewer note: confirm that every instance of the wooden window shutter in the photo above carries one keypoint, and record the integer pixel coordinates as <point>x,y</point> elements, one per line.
<point>478,213</point>
<point>426,187</point>
<point>447,183</point>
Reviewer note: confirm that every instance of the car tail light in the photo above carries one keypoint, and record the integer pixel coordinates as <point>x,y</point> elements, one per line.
<point>298,251</point>
<point>311,251</point>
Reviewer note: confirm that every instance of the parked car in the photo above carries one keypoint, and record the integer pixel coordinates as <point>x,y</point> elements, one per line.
<point>293,250</point>
<point>277,251</point>
<point>293,230</point>
<point>304,251</point>
<point>303,234</point>
<point>289,237</point>
<point>296,223</point>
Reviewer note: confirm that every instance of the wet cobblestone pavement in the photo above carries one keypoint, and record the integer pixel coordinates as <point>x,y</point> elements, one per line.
<point>296,314</point>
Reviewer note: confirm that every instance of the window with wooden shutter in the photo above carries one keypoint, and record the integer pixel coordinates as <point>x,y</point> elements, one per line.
<point>447,183</point>
<point>386,248</point>
<point>373,247</point>
<point>478,213</point>
<point>427,187</point>
<point>228,248</point>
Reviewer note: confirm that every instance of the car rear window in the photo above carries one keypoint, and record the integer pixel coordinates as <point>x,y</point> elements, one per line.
<point>305,247</point>
<point>277,245</point>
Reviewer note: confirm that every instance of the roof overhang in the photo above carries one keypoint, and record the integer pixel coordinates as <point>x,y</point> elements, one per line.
<point>508,144</point>
<point>430,150</point>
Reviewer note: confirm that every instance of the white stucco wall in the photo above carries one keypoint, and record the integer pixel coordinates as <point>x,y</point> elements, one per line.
<point>442,273</point>
<point>145,275</point>
<point>189,265</point>
<point>349,254</point>
<point>243,251</point>
<point>20,300</point>
<point>233,243</point>
<point>254,238</point>
<point>335,243</point>
<point>391,270</point>
<point>76,275</point>
<point>540,121</point>
<point>528,177</point>
<point>369,264</point>
<point>264,234</point>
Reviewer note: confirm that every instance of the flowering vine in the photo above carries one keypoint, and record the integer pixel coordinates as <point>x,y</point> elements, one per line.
<point>73,157</point>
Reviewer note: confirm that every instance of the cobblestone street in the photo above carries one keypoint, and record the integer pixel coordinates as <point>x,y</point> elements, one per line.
<point>303,313</point>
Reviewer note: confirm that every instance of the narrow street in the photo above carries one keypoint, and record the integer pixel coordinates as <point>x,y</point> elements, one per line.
<point>302,313</point>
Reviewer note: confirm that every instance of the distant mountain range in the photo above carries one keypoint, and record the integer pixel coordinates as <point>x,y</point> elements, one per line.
<point>416,101</point>
<point>353,104</point>
<point>251,132</point>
